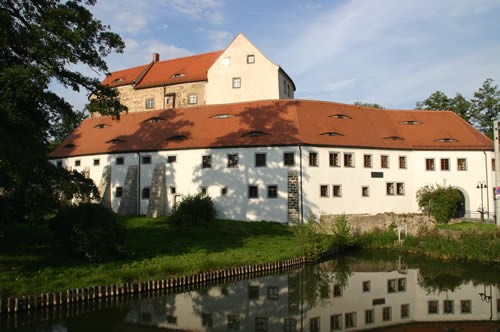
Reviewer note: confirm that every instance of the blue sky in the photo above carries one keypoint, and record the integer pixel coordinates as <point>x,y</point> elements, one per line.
<point>389,52</point>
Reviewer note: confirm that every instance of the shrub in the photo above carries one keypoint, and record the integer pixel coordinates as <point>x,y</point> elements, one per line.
<point>342,234</point>
<point>194,209</point>
<point>312,241</point>
<point>91,231</point>
<point>441,202</point>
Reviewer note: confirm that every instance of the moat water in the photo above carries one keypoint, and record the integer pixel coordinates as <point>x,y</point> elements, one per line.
<point>363,292</point>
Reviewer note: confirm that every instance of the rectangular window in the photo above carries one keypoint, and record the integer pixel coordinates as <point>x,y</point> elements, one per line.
<point>386,314</point>
<point>272,191</point>
<point>366,286</point>
<point>461,164</point>
<point>289,159</point>
<point>223,191</point>
<point>429,164</point>
<point>348,160</point>
<point>206,161</point>
<point>384,161</point>
<point>203,190</point>
<point>145,193</point>
<point>445,164</point>
<point>448,306</point>
<point>253,292</point>
<point>391,286</point>
<point>405,310</point>
<point>402,162</point>
<point>432,307</point>
<point>313,159</point>
<point>336,322</point>
<point>260,160</point>
<point>118,192</point>
<point>369,316</point>
<point>146,160</point>
<point>206,320</point>
<point>261,324</point>
<point>290,325</point>
<point>350,320</point>
<point>337,190</point>
<point>250,58</point>
<point>323,191</point>
<point>337,291</point>
<point>273,293</point>
<point>314,324</point>
<point>150,103</point>
<point>59,163</point>
<point>78,163</point>
<point>192,99</point>
<point>253,192</point>
<point>171,159</point>
<point>466,306</point>
<point>367,161</point>
<point>334,159</point>
<point>390,188</point>
<point>400,188</point>
<point>402,285</point>
<point>493,163</point>
<point>97,162</point>
<point>232,160</point>
<point>236,82</point>
<point>365,191</point>
<point>233,322</point>
<point>120,160</point>
<point>173,190</point>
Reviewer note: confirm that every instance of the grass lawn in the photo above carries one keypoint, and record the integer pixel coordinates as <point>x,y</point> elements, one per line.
<point>30,263</point>
<point>469,226</point>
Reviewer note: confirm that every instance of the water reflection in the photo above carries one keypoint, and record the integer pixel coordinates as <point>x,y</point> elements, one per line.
<point>350,293</point>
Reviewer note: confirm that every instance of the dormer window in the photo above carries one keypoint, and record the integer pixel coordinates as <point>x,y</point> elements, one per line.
<point>116,141</point>
<point>177,138</point>
<point>154,119</point>
<point>410,122</point>
<point>177,75</point>
<point>255,133</point>
<point>116,80</point>
<point>101,126</point>
<point>446,140</point>
<point>70,146</point>
<point>340,116</point>
<point>331,133</point>
<point>394,138</point>
<point>222,116</point>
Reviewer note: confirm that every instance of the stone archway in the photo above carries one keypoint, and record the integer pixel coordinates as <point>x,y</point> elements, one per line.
<point>460,212</point>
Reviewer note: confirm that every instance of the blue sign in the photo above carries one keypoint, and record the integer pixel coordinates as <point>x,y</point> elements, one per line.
<point>497,191</point>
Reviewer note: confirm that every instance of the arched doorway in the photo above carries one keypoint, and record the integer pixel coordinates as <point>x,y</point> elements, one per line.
<point>460,212</point>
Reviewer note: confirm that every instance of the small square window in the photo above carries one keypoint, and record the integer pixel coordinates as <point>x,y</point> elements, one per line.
<point>384,161</point>
<point>348,160</point>
<point>405,310</point>
<point>233,322</point>
<point>272,191</point>
<point>289,159</point>
<point>323,191</point>
<point>334,159</point>
<point>260,160</point>
<point>336,322</point>
<point>386,314</point>
<point>432,307</point>
<point>390,189</point>
<point>369,316</point>
<point>203,190</point>
<point>313,159</point>
<point>366,286</point>
<point>429,164</point>
<point>97,162</point>
<point>445,164</point>
<point>120,160</point>
<point>118,192</point>
<point>402,162</point>
<point>367,161</point>
<point>192,99</point>
<point>250,58</point>
<point>59,163</point>
<point>145,193</point>
<point>461,164</point>
<point>173,190</point>
<point>150,103</point>
<point>236,82</point>
<point>448,306</point>
<point>466,306</point>
<point>253,192</point>
<point>365,191</point>
<point>261,324</point>
<point>232,160</point>
<point>350,320</point>
<point>273,293</point>
<point>146,160</point>
<point>78,163</point>
<point>337,190</point>
<point>171,159</point>
<point>206,161</point>
<point>223,191</point>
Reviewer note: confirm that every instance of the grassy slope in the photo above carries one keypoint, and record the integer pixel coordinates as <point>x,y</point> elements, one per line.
<point>466,226</point>
<point>30,263</point>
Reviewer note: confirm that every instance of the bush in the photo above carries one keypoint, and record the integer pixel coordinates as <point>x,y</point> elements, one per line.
<point>91,231</point>
<point>441,202</point>
<point>310,238</point>
<point>194,209</point>
<point>342,234</point>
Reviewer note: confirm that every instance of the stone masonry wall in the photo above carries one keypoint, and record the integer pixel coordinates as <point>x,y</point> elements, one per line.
<point>293,197</point>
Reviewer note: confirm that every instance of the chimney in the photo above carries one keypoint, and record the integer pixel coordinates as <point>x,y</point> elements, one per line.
<point>156,57</point>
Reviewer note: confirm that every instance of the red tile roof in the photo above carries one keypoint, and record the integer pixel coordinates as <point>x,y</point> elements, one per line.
<point>182,70</point>
<point>281,122</point>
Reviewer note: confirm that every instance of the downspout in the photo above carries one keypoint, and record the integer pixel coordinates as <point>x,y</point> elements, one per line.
<point>301,192</point>
<point>138,210</point>
<point>487,189</point>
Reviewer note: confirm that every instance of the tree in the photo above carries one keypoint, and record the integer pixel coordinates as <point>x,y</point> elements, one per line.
<point>372,105</point>
<point>440,201</point>
<point>40,42</point>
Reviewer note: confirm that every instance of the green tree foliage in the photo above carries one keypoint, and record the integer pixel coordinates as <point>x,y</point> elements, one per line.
<point>480,111</point>
<point>372,105</point>
<point>342,233</point>
<point>440,201</point>
<point>194,209</point>
<point>90,231</point>
<point>40,43</point>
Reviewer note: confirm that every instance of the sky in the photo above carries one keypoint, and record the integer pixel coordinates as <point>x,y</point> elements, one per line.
<point>390,52</point>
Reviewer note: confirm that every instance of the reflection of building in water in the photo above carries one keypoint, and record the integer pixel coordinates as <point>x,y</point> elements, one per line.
<point>367,300</point>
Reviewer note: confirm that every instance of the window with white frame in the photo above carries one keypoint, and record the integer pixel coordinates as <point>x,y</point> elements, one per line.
<point>313,159</point>
<point>429,164</point>
<point>402,162</point>
<point>289,159</point>
<point>206,161</point>
<point>250,58</point>
<point>461,164</point>
<point>260,160</point>
<point>150,103</point>
<point>384,161</point>
<point>232,160</point>
<point>337,190</point>
<point>348,159</point>
<point>236,82</point>
<point>323,190</point>
<point>367,161</point>
<point>334,159</point>
<point>193,99</point>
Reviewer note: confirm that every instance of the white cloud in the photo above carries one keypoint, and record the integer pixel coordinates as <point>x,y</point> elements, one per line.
<point>198,9</point>
<point>220,39</point>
